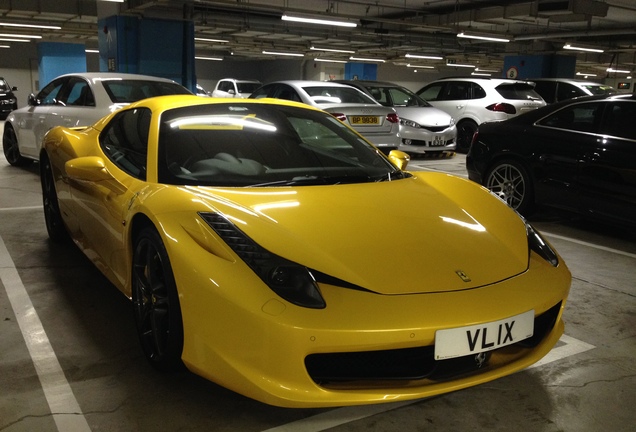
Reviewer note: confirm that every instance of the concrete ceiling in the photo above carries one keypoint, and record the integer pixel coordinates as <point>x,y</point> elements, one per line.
<point>387,29</point>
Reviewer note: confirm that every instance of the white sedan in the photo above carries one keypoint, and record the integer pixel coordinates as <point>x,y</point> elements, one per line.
<point>75,100</point>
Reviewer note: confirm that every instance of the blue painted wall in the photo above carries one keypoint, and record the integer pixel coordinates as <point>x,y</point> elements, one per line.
<point>55,59</point>
<point>361,71</point>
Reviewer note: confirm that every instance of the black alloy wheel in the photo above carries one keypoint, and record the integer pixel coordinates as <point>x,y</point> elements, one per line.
<point>156,302</point>
<point>510,181</point>
<point>11,149</point>
<point>465,131</point>
<point>52,215</point>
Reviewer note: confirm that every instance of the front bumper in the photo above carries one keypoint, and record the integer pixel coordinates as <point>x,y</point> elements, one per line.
<point>422,140</point>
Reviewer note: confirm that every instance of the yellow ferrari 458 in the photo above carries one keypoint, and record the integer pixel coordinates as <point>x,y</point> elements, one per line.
<point>271,249</point>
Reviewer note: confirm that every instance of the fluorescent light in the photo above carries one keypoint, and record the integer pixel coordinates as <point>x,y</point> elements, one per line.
<point>13,35</point>
<point>585,74</point>
<point>320,21</point>
<point>283,53</point>
<point>332,50</point>
<point>480,74</point>
<point>14,40</point>
<point>617,70</point>
<point>210,40</point>
<point>480,37</point>
<point>50,27</point>
<point>417,56</point>
<point>5,46</point>
<point>208,58</point>
<point>577,48</point>
<point>114,1</point>
<point>420,66</point>
<point>487,70</point>
<point>91,51</point>
<point>460,65</point>
<point>329,60</point>
<point>362,59</point>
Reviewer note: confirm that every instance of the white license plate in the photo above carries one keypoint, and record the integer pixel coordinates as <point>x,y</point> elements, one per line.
<point>462,341</point>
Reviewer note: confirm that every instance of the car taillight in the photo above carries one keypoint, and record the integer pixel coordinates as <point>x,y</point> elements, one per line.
<point>339,116</point>
<point>393,118</point>
<point>502,107</point>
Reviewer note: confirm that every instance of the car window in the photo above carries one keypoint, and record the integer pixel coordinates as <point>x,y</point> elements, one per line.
<point>288,93</point>
<point>125,141</point>
<point>577,117</point>
<point>568,91</point>
<point>546,90</point>
<point>4,85</point>
<point>380,95</point>
<point>226,86</point>
<point>432,92</point>
<point>79,93</point>
<point>247,87</point>
<point>402,97</point>
<point>518,91</point>
<point>128,91</point>
<point>458,90</point>
<point>478,91</point>
<point>328,94</point>
<point>263,92</point>
<point>48,95</point>
<point>620,120</point>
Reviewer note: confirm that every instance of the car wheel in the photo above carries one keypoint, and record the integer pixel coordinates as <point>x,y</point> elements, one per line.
<point>52,215</point>
<point>156,302</point>
<point>465,131</point>
<point>11,149</point>
<point>510,181</point>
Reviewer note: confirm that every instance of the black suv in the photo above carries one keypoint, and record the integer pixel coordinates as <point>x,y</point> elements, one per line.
<point>8,101</point>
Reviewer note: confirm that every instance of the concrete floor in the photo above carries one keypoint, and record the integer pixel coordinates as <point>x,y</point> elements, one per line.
<point>81,335</point>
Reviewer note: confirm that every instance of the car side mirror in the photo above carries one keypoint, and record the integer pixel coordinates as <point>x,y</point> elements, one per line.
<point>32,100</point>
<point>399,159</point>
<point>14,88</point>
<point>92,169</point>
<point>232,92</point>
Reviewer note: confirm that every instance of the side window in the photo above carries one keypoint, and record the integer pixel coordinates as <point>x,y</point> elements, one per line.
<point>263,92</point>
<point>80,94</point>
<point>432,92</point>
<point>287,93</point>
<point>620,120</point>
<point>579,117</point>
<point>478,91</point>
<point>48,95</point>
<point>125,141</point>
<point>568,91</point>
<point>546,89</point>
<point>225,86</point>
<point>458,90</point>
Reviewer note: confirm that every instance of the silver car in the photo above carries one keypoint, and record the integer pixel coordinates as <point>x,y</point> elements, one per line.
<point>75,100</point>
<point>378,124</point>
<point>423,128</point>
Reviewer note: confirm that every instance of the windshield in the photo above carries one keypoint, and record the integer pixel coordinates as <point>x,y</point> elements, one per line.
<point>397,97</point>
<point>345,94</point>
<point>4,86</point>
<point>250,144</point>
<point>247,87</point>
<point>518,91</point>
<point>600,89</point>
<point>128,91</point>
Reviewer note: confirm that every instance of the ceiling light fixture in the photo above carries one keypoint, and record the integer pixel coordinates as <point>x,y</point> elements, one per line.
<point>363,59</point>
<point>578,48</point>
<point>426,57</point>
<point>487,70</point>
<point>5,46</point>
<point>321,21</point>
<point>460,65</point>
<point>617,70</point>
<point>13,35</point>
<point>210,40</point>
<point>480,74</point>
<point>91,51</point>
<point>482,37</point>
<point>420,66</point>
<point>38,26</point>
<point>329,60</point>
<point>586,74</point>
<point>313,48</point>
<point>208,58</point>
<point>13,40</point>
<point>283,53</point>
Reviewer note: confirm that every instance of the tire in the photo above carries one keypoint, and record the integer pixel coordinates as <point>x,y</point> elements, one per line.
<point>156,302</point>
<point>465,131</point>
<point>510,181</point>
<point>52,215</point>
<point>11,149</point>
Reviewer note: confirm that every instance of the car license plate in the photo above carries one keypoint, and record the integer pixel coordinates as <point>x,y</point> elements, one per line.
<point>437,141</point>
<point>364,120</point>
<point>462,341</point>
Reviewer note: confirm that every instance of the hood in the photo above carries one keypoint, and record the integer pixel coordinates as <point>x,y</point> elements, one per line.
<point>424,116</point>
<point>429,233</point>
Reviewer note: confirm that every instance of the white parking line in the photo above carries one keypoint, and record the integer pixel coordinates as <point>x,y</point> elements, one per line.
<point>569,346</point>
<point>64,407</point>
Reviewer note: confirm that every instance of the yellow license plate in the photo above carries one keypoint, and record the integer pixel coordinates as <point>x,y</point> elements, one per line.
<point>363,120</point>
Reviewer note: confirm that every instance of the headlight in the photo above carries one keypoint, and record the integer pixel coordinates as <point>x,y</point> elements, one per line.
<point>293,282</point>
<point>540,246</point>
<point>452,122</point>
<point>409,123</point>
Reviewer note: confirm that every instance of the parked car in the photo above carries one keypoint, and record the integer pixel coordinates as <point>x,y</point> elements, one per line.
<point>423,128</point>
<point>473,100</point>
<point>75,100</point>
<point>558,89</point>
<point>255,239</point>
<point>234,88</point>
<point>578,155</point>
<point>201,91</point>
<point>8,101</point>
<point>378,124</point>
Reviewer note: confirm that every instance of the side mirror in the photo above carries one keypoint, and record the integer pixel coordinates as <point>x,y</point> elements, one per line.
<point>32,100</point>
<point>232,92</point>
<point>399,159</point>
<point>92,169</point>
<point>14,88</point>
